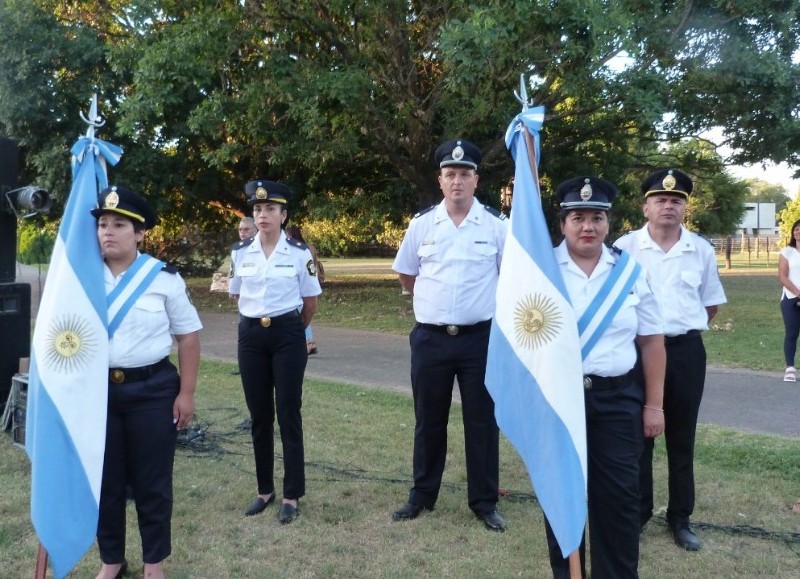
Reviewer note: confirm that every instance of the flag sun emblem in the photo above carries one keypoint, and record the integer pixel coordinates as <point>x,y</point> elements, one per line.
<point>536,321</point>
<point>70,344</point>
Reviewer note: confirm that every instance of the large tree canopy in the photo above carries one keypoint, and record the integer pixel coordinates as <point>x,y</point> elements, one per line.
<point>342,96</point>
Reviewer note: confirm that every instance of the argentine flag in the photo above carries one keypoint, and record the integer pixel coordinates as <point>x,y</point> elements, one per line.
<point>534,371</point>
<point>68,382</point>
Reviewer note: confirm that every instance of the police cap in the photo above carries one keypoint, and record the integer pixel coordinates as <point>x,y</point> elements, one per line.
<point>261,191</point>
<point>458,152</point>
<point>667,181</point>
<point>123,201</point>
<point>586,193</point>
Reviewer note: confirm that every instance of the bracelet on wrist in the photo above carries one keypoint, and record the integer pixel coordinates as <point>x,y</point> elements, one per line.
<point>654,408</point>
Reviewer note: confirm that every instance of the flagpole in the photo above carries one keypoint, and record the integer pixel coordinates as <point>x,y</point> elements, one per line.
<point>574,557</point>
<point>40,572</point>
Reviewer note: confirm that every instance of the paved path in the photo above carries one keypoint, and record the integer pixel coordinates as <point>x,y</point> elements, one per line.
<point>743,399</point>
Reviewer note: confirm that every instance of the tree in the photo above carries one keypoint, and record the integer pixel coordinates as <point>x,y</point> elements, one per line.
<point>788,217</point>
<point>764,192</point>
<point>335,96</point>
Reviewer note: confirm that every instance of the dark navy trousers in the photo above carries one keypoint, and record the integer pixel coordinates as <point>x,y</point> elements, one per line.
<point>614,438</point>
<point>437,359</point>
<point>140,450</point>
<point>272,362</point>
<point>683,391</point>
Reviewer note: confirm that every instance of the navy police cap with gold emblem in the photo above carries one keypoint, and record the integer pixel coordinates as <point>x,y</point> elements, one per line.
<point>458,152</point>
<point>123,201</point>
<point>260,191</point>
<point>667,181</point>
<point>586,193</point>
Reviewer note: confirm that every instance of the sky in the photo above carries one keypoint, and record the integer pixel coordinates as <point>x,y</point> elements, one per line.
<point>771,173</point>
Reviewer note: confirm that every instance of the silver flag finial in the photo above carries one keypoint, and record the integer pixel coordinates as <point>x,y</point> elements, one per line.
<point>94,121</point>
<point>522,95</point>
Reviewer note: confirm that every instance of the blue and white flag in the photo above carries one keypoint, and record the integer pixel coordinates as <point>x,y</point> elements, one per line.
<point>534,371</point>
<point>68,382</point>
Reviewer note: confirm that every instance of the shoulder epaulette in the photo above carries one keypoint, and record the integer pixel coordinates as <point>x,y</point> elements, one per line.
<point>616,250</point>
<point>169,268</point>
<point>711,243</point>
<point>297,243</point>
<point>495,212</point>
<point>424,211</point>
<point>242,243</point>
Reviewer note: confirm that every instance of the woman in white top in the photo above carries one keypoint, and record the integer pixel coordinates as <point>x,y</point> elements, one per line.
<point>789,276</point>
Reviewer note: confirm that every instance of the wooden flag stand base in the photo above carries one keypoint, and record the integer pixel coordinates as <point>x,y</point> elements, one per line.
<point>41,563</point>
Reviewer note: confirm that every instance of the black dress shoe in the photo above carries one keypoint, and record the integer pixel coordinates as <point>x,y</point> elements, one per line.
<point>259,505</point>
<point>407,512</point>
<point>685,537</point>
<point>288,513</point>
<point>493,521</point>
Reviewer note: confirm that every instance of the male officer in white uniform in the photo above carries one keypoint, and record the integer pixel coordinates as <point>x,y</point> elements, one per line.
<point>450,259</point>
<point>682,271</point>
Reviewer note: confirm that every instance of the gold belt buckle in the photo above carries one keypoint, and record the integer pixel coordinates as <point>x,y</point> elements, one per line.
<point>587,383</point>
<point>452,330</point>
<point>266,322</point>
<point>117,376</point>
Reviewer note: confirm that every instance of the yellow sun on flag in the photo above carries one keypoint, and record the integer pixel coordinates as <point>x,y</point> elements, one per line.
<point>69,344</point>
<point>536,321</point>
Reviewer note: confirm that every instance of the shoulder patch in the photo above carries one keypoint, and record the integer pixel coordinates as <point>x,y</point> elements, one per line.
<point>424,211</point>
<point>242,243</point>
<point>495,212</point>
<point>296,243</point>
<point>169,268</point>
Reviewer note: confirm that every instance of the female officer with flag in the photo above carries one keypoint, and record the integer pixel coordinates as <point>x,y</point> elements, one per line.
<point>148,400</point>
<point>276,284</point>
<point>616,312</point>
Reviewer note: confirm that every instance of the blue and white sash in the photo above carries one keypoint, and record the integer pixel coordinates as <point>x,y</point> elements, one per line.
<point>607,302</point>
<point>133,284</point>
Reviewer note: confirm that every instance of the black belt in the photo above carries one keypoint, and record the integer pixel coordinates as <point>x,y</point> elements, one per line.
<point>681,337</point>
<point>455,330</point>
<point>594,382</point>
<point>122,375</point>
<point>267,321</point>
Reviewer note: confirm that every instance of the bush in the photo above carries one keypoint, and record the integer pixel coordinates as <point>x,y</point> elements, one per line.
<point>351,225</point>
<point>34,243</point>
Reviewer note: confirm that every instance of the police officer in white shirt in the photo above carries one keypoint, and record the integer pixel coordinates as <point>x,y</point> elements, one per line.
<point>148,401</point>
<point>682,271</point>
<point>276,285</point>
<point>449,259</point>
<point>608,290</point>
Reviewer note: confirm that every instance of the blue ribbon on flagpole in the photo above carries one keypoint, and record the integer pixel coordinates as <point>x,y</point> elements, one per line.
<point>103,153</point>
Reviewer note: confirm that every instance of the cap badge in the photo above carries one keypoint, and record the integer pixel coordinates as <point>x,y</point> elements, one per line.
<point>586,191</point>
<point>261,193</point>
<point>669,182</point>
<point>458,153</point>
<point>112,200</point>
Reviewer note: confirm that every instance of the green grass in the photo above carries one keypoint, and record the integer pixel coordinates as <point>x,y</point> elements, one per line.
<point>358,453</point>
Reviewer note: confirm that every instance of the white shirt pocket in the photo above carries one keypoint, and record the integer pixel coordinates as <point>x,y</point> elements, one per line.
<point>282,270</point>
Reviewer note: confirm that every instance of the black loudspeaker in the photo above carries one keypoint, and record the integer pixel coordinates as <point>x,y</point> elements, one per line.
<point>15,332</point>
<point>9,169</point>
